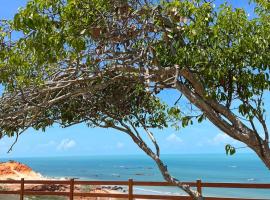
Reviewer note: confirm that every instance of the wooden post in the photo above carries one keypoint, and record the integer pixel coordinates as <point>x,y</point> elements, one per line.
<point>71,189</point>
<point>130,189</point>
<point>199,186</point>
<point>22,189</point>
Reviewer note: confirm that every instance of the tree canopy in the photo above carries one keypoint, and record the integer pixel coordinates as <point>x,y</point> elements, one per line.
<point>104,62</point>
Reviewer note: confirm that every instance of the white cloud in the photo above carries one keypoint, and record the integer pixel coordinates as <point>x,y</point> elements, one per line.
<point>173,138</point>
<point>66,144</point>
<point>221,138</point>
<point>120,145</point>
<point>50,143</point>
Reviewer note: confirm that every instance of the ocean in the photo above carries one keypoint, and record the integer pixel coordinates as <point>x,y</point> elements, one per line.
<point>244,168</point>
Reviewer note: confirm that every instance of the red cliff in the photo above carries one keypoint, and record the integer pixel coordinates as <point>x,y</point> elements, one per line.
<point>16,170</point>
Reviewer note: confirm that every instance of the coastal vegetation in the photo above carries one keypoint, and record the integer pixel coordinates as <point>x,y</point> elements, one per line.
<point>104,63</point>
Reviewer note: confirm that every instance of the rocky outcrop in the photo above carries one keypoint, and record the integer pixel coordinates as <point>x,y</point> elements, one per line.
<point>17,170</point>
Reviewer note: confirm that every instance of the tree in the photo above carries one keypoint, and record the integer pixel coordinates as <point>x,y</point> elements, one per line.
<point>217,58</point>
<point>104,100</point>
<point>221,60</point>
<point>72,89</point>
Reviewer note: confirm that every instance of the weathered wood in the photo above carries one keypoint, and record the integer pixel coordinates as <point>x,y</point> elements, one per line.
<point>39,193</point>
<point>144,196</point>
<point>10,181</point>
<point>45,182</point>
<point>10,192</point>
<point>124,196</point>
<point>71,189</point>
<point>163,197</point>
<point>77,182</point>
<point>130,189</point>
<point>130,183</point>
<point>149,183</point>
<point>224,198</point>
<point>199,186</point>
<point>22,189</point>
<point>238,185</point>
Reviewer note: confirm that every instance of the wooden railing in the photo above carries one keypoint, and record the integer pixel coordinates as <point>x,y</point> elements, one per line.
<point>130,184</point>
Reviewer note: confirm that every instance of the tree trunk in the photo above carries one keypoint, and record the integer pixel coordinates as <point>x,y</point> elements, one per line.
<point>227,122</point>
<point>163,168</point>
<point>263,152</point>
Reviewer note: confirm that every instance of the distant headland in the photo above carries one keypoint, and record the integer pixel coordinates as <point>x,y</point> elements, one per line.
<point>13,170</point>
<point>16,170</point>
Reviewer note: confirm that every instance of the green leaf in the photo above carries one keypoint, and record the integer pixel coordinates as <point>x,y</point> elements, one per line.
<point>230,150</point>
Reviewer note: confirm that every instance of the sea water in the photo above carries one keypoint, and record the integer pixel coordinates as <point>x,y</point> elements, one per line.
<point>243,168</point>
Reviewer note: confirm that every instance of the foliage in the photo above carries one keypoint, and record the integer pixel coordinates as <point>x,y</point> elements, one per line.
<point>217,58</point>
<point>103,62</point>
<point>226,50</point>
<point>230,150</point>
<point>105,106</point>
<point>222,60</point>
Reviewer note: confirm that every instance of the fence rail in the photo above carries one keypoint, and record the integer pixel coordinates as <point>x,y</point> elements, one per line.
<point>130,185</point>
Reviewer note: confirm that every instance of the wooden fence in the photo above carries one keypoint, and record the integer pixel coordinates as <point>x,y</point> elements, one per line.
<point>129,184</point>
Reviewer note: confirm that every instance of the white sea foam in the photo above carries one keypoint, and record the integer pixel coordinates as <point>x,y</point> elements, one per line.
<point>152,191</point>
<point>114,174</point>
<point>156,191</point>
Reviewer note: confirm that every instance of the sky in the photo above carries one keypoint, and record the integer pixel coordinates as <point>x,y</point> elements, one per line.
<point>83,141</point>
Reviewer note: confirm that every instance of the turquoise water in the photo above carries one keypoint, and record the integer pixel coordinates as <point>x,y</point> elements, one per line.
<point>244,168</point>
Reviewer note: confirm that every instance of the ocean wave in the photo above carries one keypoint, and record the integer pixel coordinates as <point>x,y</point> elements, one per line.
<point>148,168</point>
<point>116,175</point>
<point>142,174</point>
<point>156,191</point>
<point>124,167</point>
<point>134,167</point>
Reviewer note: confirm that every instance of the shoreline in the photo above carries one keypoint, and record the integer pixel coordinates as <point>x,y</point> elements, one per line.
<point>238,169</point>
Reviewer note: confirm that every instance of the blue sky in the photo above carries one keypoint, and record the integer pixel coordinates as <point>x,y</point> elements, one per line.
<point>81,140</point>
